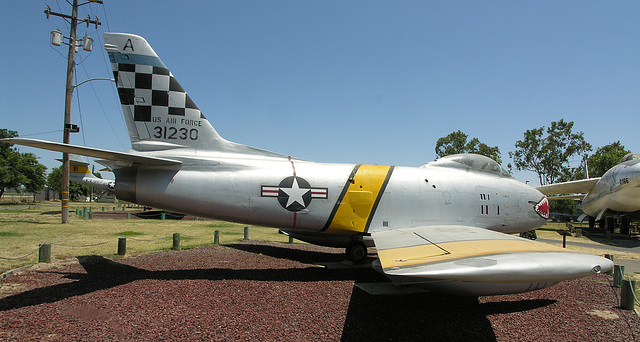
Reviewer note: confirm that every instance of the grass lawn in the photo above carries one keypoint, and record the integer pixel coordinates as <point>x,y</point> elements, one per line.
<point>23,229</point>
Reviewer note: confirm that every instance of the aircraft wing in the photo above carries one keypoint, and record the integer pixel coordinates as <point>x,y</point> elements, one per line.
<point>476,255</point>
<point>92,152</point>
<point>563,197</point>
<point>582,186</point>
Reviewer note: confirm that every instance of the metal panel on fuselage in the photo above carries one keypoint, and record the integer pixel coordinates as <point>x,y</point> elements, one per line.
<point>443,196</point>
<point>237,190</point>
<point>336,198</point>
<point>618,190</point>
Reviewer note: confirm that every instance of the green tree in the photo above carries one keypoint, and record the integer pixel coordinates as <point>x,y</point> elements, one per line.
<point>18,169</point>
<point>54,182</point>
<point>604,158</point>
<point>548,154</point>
<point>566,206</point>
<point>457,142</point>
<point>34,172</point>
<point>76,190</point>
<point>10,177</point>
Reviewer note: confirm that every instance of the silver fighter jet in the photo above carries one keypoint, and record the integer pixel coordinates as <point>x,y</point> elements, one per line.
<point>443,226</point>
<point>614,195</point>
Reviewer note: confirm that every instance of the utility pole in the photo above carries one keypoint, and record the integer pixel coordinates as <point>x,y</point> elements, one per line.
<point>55,38</point>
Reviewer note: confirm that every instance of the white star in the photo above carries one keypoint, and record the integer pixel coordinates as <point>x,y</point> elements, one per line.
<point>295,193</point>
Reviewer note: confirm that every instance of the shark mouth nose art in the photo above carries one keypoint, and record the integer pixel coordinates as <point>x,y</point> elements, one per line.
<point>542,208</point>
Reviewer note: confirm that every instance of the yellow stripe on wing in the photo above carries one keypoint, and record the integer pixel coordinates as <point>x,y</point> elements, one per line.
<point>430,253</point>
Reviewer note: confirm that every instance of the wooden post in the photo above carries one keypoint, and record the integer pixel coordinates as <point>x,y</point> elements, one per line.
<point>618,275</point>
<point>578,232</point>
<point>44,253</point>
<point>627,298</point>
<point>290,239</point>
<point>246,233</point>
<point>610,257</point>
<point>122,246</point>
<point>216,237</point>
<point>176,241</point>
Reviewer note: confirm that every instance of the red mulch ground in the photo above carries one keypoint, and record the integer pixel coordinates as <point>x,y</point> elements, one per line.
<point>273,292</point>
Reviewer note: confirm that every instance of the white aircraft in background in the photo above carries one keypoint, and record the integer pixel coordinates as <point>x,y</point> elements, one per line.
<point>79,172</point>
<point>443,226</point>
<point>615,194</point>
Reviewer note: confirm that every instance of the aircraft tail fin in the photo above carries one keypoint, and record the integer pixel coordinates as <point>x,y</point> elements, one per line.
<point>158,112</point>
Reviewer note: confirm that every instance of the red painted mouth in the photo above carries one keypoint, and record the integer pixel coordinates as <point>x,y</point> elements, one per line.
<point>542,208</point>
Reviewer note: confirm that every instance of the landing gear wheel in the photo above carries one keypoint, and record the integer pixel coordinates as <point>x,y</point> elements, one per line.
<point>609,224</point>
<point>356,251</point>
<point>531,235</point>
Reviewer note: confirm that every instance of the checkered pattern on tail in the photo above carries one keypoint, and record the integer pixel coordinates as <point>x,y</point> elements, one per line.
<point>158,112</point>
<point>152,91</point>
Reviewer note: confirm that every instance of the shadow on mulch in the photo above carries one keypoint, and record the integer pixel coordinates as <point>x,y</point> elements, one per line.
<point>102,273</point>
<point>426,316</point>
<point>370,318</point>
<point>304,256</point>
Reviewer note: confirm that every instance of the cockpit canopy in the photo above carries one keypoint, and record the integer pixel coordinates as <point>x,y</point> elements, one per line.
<point>630,156</point>
<point>471,161</point>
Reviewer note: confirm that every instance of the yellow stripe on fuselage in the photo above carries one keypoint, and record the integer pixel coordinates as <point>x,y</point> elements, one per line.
<point>354,210</point>
<point>426,254</point>
<point>79,169</point>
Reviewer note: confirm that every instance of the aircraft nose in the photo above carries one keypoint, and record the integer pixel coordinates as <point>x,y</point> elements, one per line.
<point>542,208</point>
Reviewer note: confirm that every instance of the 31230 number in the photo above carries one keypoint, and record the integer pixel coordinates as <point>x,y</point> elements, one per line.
<point>175,133</point>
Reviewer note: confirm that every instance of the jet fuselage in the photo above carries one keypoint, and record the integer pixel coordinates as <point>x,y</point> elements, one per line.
<point>344,199</point>
<point>618,190</point>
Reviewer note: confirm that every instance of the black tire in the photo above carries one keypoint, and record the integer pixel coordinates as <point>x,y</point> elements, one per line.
<point>531,235</point>
<point>610,224</point>
<point>356,251</point>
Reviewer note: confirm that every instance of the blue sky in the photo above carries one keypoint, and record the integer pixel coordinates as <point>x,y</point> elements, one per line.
<point>333,81</point>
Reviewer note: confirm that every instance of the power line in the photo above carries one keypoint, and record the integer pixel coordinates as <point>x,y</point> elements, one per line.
<point>73,45</point>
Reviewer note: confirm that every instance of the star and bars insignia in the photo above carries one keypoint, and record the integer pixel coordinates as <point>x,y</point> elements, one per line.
<point>294,193</point>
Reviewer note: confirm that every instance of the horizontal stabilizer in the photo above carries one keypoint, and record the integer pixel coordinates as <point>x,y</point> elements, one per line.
<point>93,152</point>
<point>470,254</point>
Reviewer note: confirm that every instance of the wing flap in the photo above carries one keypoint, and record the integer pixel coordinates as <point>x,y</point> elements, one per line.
<point>582,186</point>
<point>93,152</point>
<point>471,254</point>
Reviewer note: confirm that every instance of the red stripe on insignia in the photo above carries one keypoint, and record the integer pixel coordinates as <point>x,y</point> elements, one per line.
<point>270,191</point>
